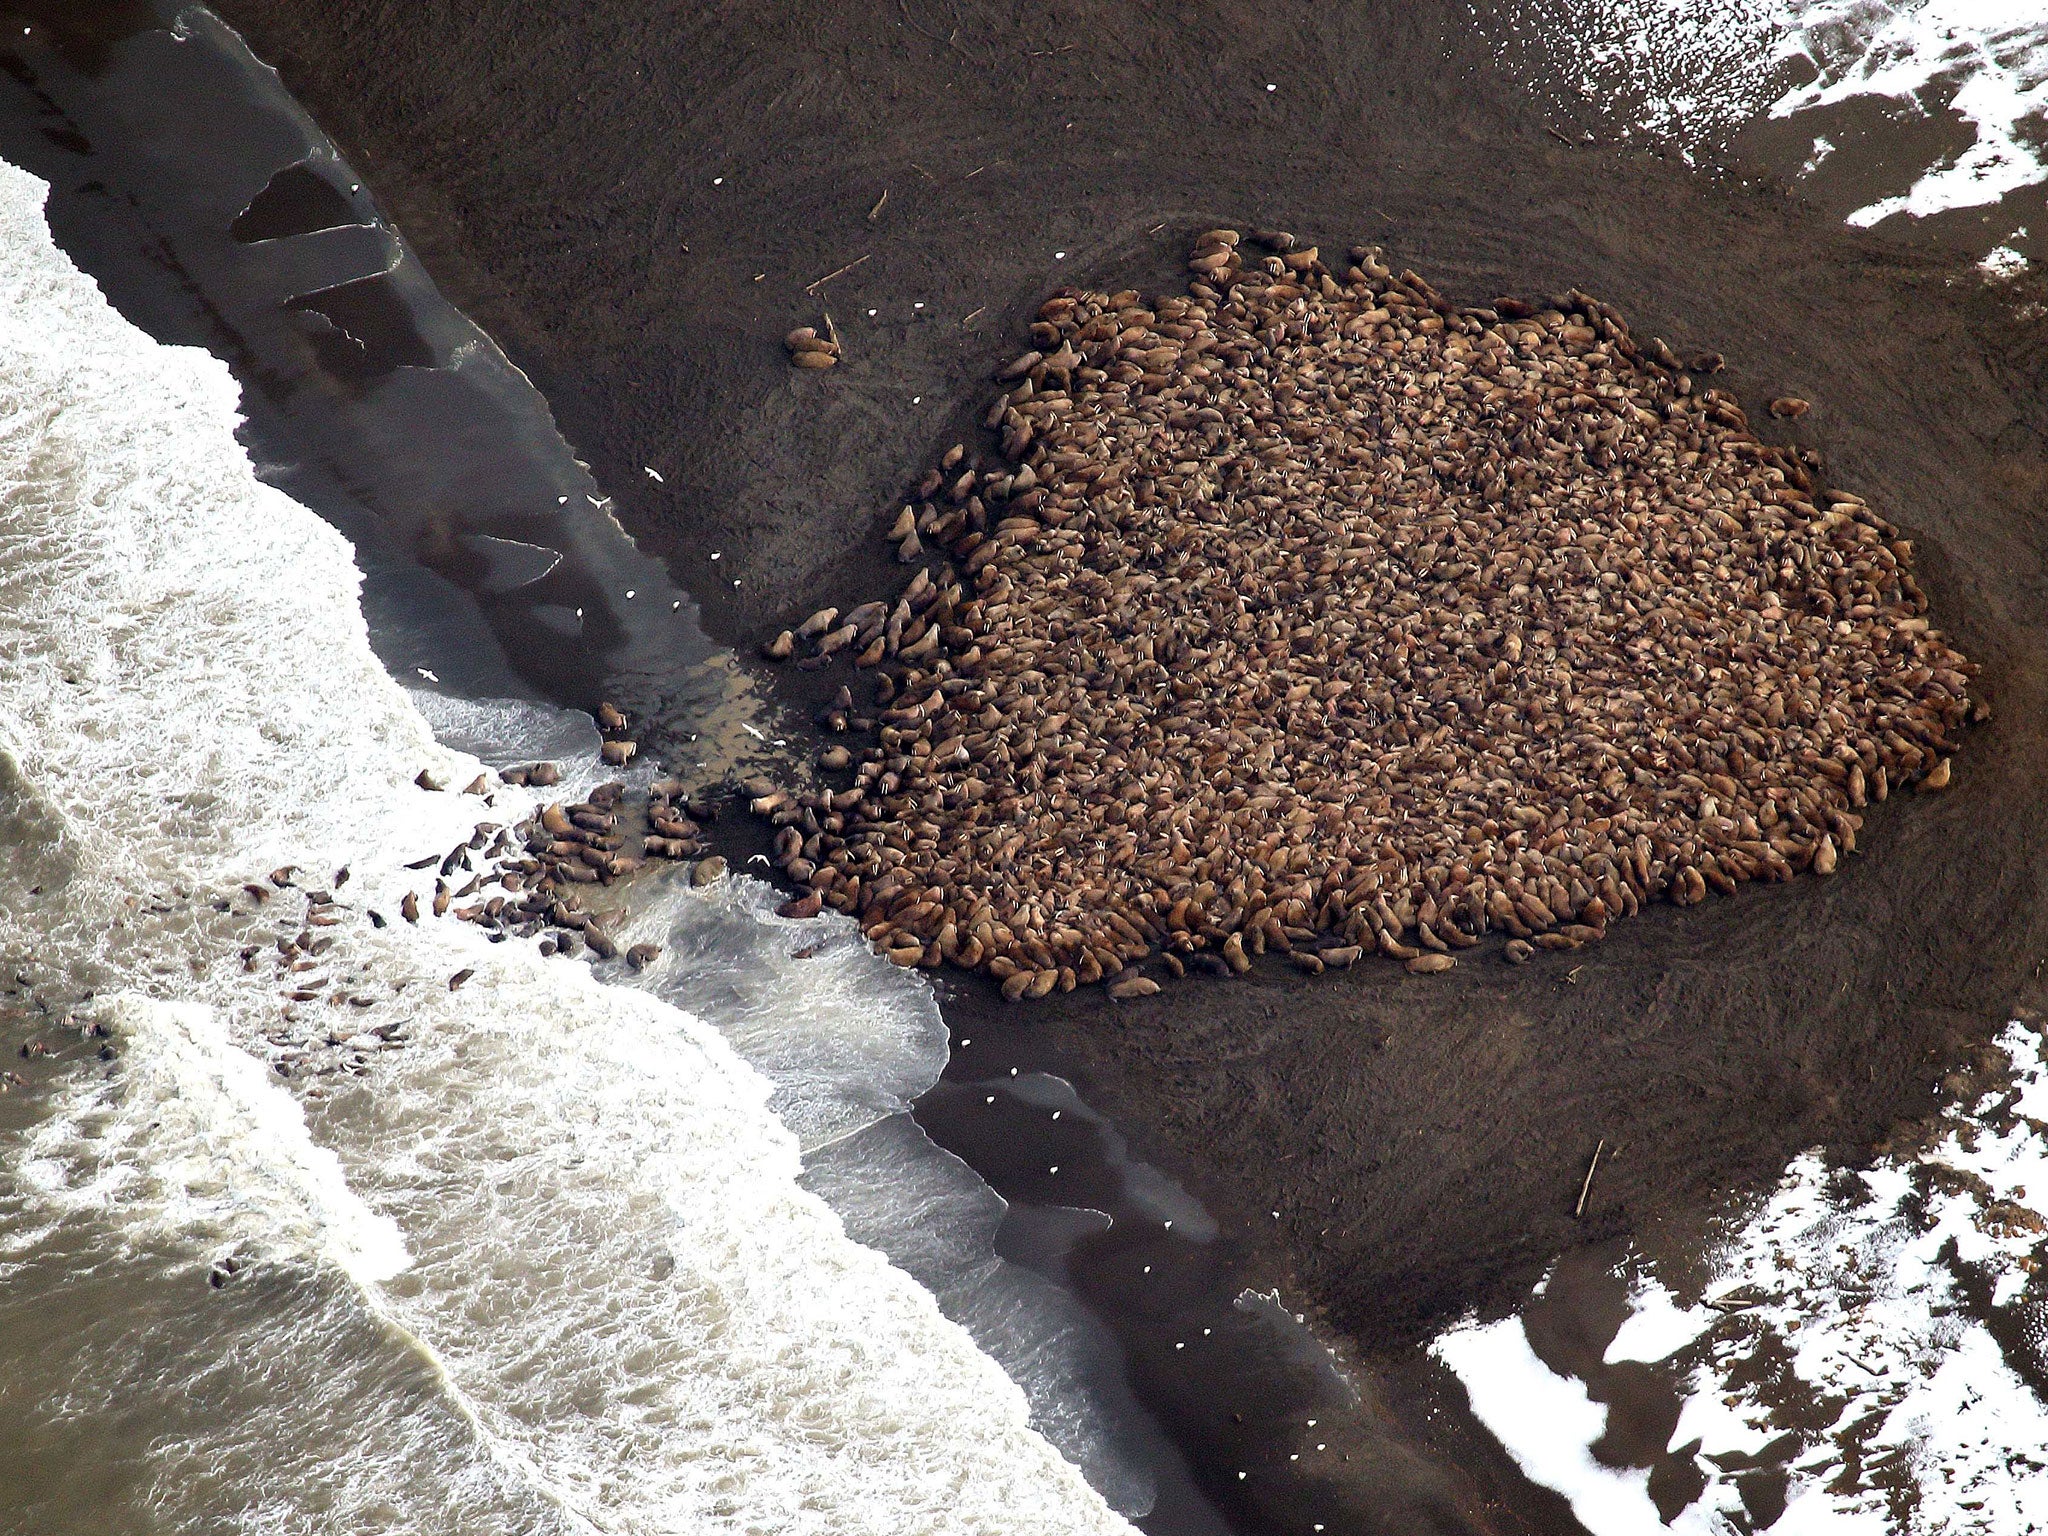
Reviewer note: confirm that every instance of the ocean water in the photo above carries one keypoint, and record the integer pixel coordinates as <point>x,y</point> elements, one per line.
<point>374,1244</point>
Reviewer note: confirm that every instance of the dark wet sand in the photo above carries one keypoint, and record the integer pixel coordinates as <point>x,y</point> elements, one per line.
<point>1421,1139</point>
<point>227,240</point>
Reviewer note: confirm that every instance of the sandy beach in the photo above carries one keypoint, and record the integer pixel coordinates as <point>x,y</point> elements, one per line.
<point>638,203</point>
<point>1707,1044</point>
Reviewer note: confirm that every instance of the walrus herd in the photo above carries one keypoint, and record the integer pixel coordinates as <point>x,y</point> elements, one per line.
<point>1309,611</point>
<point>545,865</point>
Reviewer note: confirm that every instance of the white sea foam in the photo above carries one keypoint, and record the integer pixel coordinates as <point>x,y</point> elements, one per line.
<point>195,1134</point>
<point>1696,71</point>
<point>569,1204</point>
<point>848,1042</point>
<point>1860,1355</point>
<point>504,732</point>
<point>845,1041</point>
<point>935,1218</point>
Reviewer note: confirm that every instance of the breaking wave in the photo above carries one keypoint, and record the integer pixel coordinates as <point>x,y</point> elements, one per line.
<point>417,1250</point>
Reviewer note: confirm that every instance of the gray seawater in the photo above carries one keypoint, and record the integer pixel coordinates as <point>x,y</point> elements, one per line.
<point>318,1241</point>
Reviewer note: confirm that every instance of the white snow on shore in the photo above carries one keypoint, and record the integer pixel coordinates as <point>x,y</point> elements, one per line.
<point>1549,1425</point>
<point>1695,71</point>
<point>1986,61</point>
<point>1863,1338</point>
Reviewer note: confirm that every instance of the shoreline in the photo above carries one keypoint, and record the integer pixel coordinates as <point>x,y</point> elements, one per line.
<point>342,463</point>
<point>1467,1112</point>
<point>1709,1045</point>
